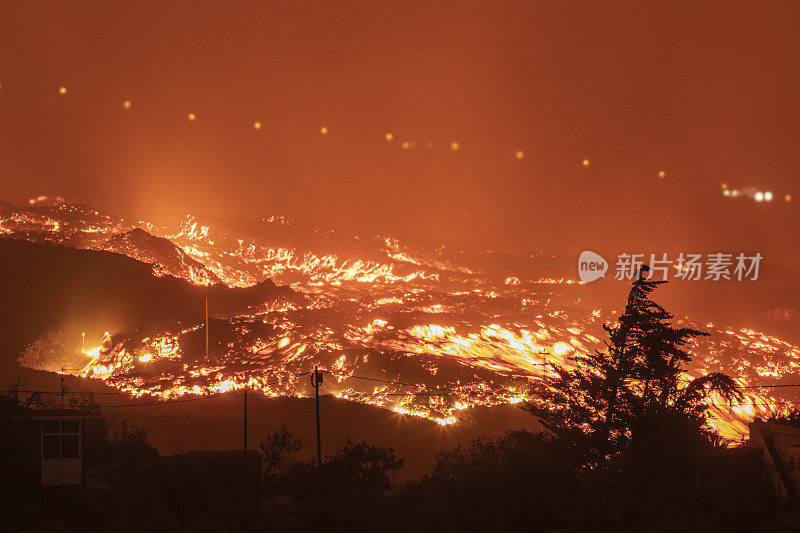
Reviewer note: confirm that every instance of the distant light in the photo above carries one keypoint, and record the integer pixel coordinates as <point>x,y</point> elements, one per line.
<point>759,196</point>
<point>405,145</point>
<point>768,196</point>
<point>726,192</point>
<point>146,358</point>
<point>257,125</point>
<point>520,154</point>
<point>454,146</point>
<point>126,104</point>
<point>62,90</point>
<point>323,130</point>
<point>788,198</point>
<point>724,186</point>
<point>585,162</point>
<point>192,116</point>
<point>389,136</point>
<point>735,193</point>
<point>661,173</point>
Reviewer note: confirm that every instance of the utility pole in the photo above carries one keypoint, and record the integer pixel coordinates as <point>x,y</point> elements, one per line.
<point>244,439</point>
<point>316,379</point>
<point>62,387</point>
<point>206,327</point>
<point>61,451</point>
<point>542,369</point>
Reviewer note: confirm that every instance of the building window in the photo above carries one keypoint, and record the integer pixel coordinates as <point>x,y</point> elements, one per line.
<point>51,447</point>
<point>60,439</point>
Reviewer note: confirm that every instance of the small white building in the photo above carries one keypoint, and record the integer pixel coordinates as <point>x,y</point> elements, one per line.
<point>61,446</point>
<point>780,448</point>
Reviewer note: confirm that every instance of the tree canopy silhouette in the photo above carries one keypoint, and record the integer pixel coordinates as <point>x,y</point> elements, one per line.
<point>614,397</point>
<point>274,451</point>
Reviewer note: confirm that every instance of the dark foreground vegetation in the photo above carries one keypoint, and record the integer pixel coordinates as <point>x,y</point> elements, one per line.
<point>626,448</point>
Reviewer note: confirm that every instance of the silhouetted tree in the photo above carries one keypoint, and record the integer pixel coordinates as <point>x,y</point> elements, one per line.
<point>274,450</point>
<point>613,397</point>
<point>792,418</point>
<point>113,448</point>
<point>364,464</point>
<point>350,486</point>
<point>521,481</point>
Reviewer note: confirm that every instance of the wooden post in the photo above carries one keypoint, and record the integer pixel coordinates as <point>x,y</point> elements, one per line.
<point>244,438</point>
<point>316,379</point>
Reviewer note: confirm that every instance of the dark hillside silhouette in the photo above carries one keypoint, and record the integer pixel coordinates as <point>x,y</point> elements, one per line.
<point>43,285</point>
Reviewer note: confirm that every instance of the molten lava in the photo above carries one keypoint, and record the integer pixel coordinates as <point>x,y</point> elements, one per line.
<point>422,332</point>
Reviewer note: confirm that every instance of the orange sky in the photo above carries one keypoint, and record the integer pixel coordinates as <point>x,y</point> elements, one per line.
<point>706,92</point>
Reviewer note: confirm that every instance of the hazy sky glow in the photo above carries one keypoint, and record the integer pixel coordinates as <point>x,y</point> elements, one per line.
<point>705,92</point>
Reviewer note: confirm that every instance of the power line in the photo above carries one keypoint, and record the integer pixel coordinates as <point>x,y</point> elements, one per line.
<point>740,387</point>
<point>154,403</point>
<point>165,402</point>
<point>753,404</point>
<point>391,382</point>
<point>426,392</point>
<point>768,386</point>
<point>74,392</point>
<point>396,382</point>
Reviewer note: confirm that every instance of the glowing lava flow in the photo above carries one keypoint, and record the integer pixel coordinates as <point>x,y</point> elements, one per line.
<point>378,313</point>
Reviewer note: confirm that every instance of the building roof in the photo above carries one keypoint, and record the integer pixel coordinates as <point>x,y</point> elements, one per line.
<point>68,414</point>
<point>774,427</point>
